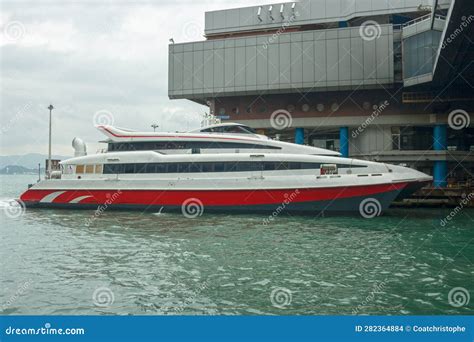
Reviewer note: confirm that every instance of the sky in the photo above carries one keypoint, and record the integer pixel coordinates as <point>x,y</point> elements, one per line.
<point>97,62</point>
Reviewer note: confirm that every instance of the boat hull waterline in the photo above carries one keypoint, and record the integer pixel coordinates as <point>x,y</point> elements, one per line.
<point>347,199</point>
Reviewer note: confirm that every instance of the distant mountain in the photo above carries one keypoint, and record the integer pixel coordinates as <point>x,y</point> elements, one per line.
<point>28,161</point>
<point>17,170</point>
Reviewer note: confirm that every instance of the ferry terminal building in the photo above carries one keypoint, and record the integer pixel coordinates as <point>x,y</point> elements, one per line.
<point>385,80</point>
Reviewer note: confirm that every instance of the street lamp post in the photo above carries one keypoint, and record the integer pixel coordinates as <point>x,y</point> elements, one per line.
<point>49,147</point>
<point>155,126</point>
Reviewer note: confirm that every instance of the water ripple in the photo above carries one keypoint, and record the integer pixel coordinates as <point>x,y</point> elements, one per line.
<point>401,263</point>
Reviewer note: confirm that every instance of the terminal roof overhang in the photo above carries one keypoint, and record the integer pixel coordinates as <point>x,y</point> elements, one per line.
<point>454,65</point>
<point>310,12</point>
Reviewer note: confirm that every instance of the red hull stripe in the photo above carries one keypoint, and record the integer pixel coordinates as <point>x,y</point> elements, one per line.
<point>209,197</point>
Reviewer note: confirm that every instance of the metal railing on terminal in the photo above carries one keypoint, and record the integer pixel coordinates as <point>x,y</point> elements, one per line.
<point>422,18</point>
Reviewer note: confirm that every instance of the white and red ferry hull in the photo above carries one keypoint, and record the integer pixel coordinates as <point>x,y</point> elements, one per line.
<point>311,200</point>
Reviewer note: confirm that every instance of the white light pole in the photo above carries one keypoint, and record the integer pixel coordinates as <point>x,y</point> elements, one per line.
<point>49,147</point>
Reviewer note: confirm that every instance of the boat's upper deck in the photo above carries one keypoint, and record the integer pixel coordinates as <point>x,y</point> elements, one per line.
<point>220,138</point>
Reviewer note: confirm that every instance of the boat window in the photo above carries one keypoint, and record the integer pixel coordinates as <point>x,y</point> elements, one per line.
<point>219,167</point>
<point>207,167</point>
<point>282,166</point>
<point>183,167</point>
<point>140,168</point>
<point>171,168</point>
<point>270,166</point>
<point>230,129</point>
<point>129,168</point>
<point>79,168</point>
<point>248,166</point>
<point>89,168</point>
<point>185,145</point>
<point>160,168</point>
<point>67,169</point>
<point>248,130</point>
<point>294,166</point>
<point>195,167</point>
<point>219,129</point>
<point>151,168</point>
<point>234,129</point>
<point>98,168</point>
<point>229,166</point>
<point>112,168</point>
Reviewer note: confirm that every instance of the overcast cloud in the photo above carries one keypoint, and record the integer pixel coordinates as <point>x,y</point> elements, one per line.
<point>86,57</point>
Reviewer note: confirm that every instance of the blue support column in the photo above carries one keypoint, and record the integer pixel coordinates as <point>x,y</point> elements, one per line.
<point>344,141</point>
<point>299,136</point>
<point>440,168</point>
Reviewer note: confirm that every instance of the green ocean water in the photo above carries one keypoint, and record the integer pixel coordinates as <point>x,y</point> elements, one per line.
<point>129,263</point>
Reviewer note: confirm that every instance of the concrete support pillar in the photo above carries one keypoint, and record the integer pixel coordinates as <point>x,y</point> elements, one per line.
<point>299,136</point>
<point>440,168</point>
<point>344,141</point>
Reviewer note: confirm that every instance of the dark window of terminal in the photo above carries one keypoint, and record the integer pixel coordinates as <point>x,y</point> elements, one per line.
<point>409,138</point>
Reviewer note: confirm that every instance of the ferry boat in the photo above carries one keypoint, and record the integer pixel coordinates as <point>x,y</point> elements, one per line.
<point>226,167</point>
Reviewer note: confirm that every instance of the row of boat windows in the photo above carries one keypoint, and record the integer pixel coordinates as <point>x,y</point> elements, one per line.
<point>91,168</point>
<point>230,129</point>
<point>212,167</point>
<point>182,145</point>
